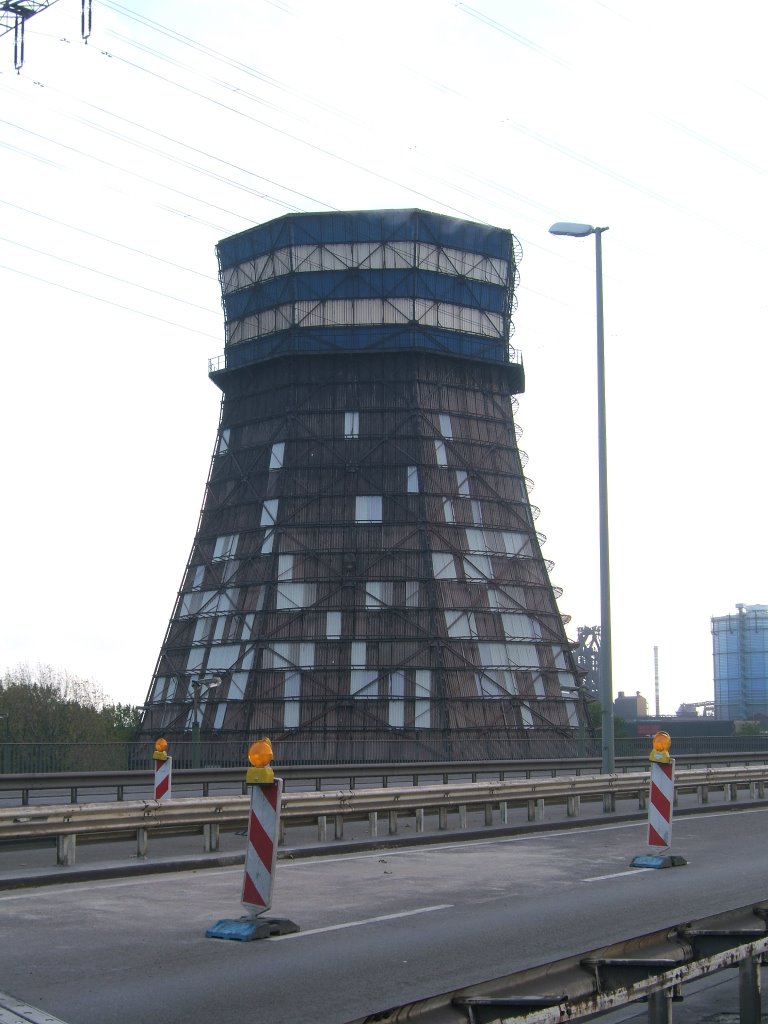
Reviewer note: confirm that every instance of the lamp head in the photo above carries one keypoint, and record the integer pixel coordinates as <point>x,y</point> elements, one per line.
<point>576,230</point>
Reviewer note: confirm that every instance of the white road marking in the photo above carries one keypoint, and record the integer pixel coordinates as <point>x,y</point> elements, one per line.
<point>617,874</point>
<point>367,920</point>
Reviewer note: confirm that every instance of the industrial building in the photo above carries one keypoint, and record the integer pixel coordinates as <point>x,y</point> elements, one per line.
<point>630,708</point>
<point>366,581</point>
<point>740,653</point>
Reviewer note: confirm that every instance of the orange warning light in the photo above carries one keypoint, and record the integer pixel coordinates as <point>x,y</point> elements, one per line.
<point>260,753</point>
<point>160,753</point>
<point>662,741</point>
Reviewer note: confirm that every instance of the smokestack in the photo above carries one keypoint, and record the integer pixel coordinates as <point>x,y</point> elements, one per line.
<point>656,677</point>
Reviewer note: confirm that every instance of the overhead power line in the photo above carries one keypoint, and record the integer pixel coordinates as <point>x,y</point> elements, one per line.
<point>109,241</point>
<point>112,277</point>
<point>109,302</point>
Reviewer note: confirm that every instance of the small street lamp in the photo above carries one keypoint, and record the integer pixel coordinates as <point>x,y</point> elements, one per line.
<point>197,694</point>
<point>605,671</point>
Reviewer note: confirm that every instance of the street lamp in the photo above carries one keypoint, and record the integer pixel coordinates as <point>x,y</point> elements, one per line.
<point>197,685</point>
<point>605,672</point>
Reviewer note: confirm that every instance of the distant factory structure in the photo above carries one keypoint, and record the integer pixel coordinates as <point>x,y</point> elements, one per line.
<point>366,581</point>
<point>740,654</point>
<point>586,653</point>
<point>630,708</point>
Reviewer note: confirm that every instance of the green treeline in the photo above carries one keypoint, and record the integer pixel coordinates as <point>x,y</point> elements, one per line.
<point>45,705</point>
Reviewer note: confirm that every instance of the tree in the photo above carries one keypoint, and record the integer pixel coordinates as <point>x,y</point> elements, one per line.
<point>620,727</point>
<point>124,720</point>
<point>748,728</point>
<point>49,711</point>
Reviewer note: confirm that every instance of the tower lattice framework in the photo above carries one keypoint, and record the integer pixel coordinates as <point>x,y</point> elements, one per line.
<point>366,581</point>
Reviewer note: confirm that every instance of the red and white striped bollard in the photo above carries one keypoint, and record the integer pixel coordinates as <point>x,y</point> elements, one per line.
<point>660,804</point>
<point>163,770</point>
<point>260,855</point>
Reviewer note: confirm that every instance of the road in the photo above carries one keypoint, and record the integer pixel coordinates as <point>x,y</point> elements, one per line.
<point>378,928</point>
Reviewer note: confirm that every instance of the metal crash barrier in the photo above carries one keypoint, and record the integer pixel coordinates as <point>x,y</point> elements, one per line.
<point>74,787</point>
<point>211,814</point>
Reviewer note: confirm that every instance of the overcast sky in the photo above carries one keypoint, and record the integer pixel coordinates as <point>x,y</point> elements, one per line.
<point>125,160</point>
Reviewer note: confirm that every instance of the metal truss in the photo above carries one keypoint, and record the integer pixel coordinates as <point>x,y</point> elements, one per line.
<point>14,14</point>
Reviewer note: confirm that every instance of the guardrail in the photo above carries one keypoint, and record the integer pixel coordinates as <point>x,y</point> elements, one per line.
<point>71,785</point>
<point>652,967</point>
<point>210,814</point>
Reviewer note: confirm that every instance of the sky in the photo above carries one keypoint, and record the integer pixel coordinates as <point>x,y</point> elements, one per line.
<point>125,160</point>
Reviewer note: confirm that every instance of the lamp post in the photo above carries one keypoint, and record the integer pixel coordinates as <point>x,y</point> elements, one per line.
<point>605,671</point>
<point>197,685</point>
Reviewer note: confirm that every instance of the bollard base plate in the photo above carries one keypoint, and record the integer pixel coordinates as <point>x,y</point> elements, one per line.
<point>246,929</point>
<point>654,860</point>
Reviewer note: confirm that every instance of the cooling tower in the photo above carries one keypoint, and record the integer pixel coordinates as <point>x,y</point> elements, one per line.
<point>366,581</point>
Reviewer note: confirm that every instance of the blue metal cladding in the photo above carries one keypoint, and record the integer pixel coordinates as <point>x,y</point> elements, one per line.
<point>455,309</point>
<point>326,284</point>
<point>364,226</point>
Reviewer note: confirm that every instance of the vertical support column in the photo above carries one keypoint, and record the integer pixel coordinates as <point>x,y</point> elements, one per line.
<point>750,1010</point>
<point>211,837</point>
<point>660,1007</point>
<point>66,846</point>
<point>536,809</point>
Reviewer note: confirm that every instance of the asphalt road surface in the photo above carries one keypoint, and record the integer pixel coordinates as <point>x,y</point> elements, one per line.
<point>377,928</point>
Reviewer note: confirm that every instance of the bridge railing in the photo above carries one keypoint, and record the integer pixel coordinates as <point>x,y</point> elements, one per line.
<point>229,752</point>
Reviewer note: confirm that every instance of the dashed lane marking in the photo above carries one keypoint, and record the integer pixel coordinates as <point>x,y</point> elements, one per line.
<point>356,924</point>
